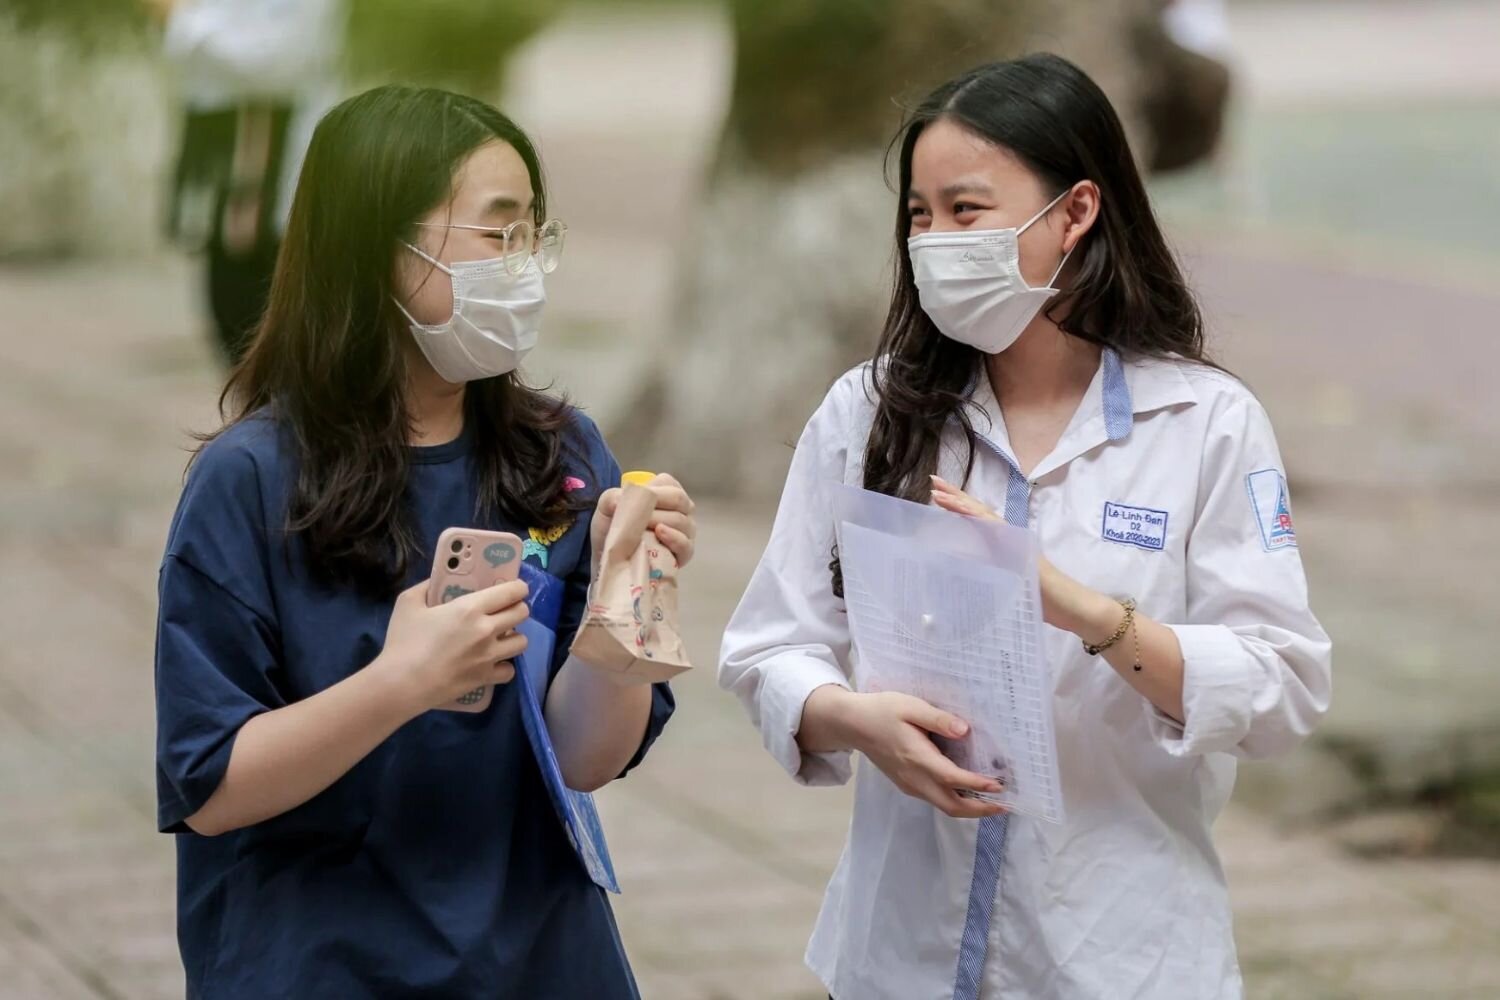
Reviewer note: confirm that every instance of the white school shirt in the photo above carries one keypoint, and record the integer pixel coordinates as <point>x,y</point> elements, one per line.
<point>1167,486</point>
<point>226,52</point>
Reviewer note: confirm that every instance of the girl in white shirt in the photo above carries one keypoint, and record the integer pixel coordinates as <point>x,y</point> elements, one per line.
<point>1043,361</point>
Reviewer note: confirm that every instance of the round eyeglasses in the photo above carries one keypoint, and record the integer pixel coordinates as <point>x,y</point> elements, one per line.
<point>521,240</point>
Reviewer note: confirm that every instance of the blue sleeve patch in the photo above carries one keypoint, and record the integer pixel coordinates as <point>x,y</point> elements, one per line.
<point>1269,505</point>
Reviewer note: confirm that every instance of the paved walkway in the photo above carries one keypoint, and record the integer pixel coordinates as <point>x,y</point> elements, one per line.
<point>722,858</point>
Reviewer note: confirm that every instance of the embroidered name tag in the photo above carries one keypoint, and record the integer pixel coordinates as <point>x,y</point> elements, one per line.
<point>1139,526</point>
<point>1273,515</point>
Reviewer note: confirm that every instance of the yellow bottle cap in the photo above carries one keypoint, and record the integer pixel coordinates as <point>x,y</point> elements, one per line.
<point>637,478</point>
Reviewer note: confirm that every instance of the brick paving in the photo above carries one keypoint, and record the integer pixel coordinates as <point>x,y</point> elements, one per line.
<point>722,858</point>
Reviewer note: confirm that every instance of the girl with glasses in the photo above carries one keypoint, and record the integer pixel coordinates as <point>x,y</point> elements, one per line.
<point>339,833</point>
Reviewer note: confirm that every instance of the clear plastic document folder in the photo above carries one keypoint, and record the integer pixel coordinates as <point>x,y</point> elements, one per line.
<point>947,608</point>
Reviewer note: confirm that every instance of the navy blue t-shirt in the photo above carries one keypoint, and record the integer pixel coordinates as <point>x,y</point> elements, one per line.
<point>437,867</point>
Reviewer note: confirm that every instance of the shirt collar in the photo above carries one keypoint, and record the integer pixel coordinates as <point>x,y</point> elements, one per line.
<point>1118,403</point>
<point>1119,392</point>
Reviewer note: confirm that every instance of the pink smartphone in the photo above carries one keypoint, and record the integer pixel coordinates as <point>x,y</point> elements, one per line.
<point>467,560</point>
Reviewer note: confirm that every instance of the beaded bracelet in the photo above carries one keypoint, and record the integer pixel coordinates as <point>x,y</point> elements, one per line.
<point>1126,624</point>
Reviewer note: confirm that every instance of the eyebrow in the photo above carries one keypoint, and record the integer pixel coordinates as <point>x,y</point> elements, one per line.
<point>501,203</point>
<point>957,188</point>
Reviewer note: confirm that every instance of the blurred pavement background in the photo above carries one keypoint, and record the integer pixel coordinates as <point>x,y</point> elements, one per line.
<point>1345,244</point>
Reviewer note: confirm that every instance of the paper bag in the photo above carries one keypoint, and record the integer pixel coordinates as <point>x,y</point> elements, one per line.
<point>630,630</point>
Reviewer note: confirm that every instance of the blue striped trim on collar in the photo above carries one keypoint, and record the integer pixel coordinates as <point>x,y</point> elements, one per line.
<point>1119,409</point>
<point>1116,400</point>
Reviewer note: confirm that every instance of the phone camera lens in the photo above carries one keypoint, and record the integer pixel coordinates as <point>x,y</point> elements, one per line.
<point>453,562</point>
<point>458,545</point>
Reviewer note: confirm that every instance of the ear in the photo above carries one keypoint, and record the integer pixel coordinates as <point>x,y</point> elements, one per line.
<point>1082,208</point>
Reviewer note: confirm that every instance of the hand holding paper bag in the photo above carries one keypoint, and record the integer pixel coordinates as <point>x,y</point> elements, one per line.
<point>630,630</point>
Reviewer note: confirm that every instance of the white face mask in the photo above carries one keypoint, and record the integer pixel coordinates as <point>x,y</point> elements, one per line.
<point>495,322</point>
<point>970,284</point>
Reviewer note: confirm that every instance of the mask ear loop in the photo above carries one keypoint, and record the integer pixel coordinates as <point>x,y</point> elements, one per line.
<point>409,317</point>
<point>439,264</point>
<point>1045,209</point>
<point>1052,281</point>
<point>435,263</point>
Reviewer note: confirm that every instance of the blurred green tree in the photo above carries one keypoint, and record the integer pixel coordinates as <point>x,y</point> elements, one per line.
<point>780,286</point>
<point>460,45</point>
<point>78,88</point>
<point>88,23</point>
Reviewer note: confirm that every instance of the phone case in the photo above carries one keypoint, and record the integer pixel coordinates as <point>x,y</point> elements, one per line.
<point>467,560</point>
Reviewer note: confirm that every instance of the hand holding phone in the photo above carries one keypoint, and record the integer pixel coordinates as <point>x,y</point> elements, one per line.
<point>467,561</point>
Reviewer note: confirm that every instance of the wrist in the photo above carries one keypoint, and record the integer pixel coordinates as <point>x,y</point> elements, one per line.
<point>830,715</point>
<point>395,687</point>
<point>1090,615</point>
<point>611,684</point>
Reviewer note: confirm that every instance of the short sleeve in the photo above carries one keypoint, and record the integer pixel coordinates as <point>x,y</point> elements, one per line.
<point>215,660</point>
<point>218,649</point>
<point>1257,672</point>
<point>605,472</point>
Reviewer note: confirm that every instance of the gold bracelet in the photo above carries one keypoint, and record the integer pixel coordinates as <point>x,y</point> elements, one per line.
<point>1094,650</point>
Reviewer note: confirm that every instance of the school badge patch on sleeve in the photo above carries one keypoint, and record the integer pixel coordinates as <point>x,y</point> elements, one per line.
<point>1268,502</point>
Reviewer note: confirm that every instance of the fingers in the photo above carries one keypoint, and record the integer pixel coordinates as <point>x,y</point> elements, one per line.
<point>945,784</point>
<point>678,532</point>
<point>506,619</point>
<point>672,497</point>
<point>959,807</point>
<point>492,600</point>
<point>934,720</point>
<point>936,778</point>
<point>948,501</point>
<point>962,503</point>
<point>683,523</point>
<point>924,755</point>
<point>679,544</point>
<point>951,498</point>
<point>509,646</point>
<point>921,784</point>
<point>667,490</point>
<point>608,502</point>
<point>950,775</point>
<point>415,594</point>
<point>966,506</point>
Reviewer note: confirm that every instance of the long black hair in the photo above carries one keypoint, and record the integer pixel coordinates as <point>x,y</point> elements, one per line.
<point>1125,291</point>
<point>327,358</point>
